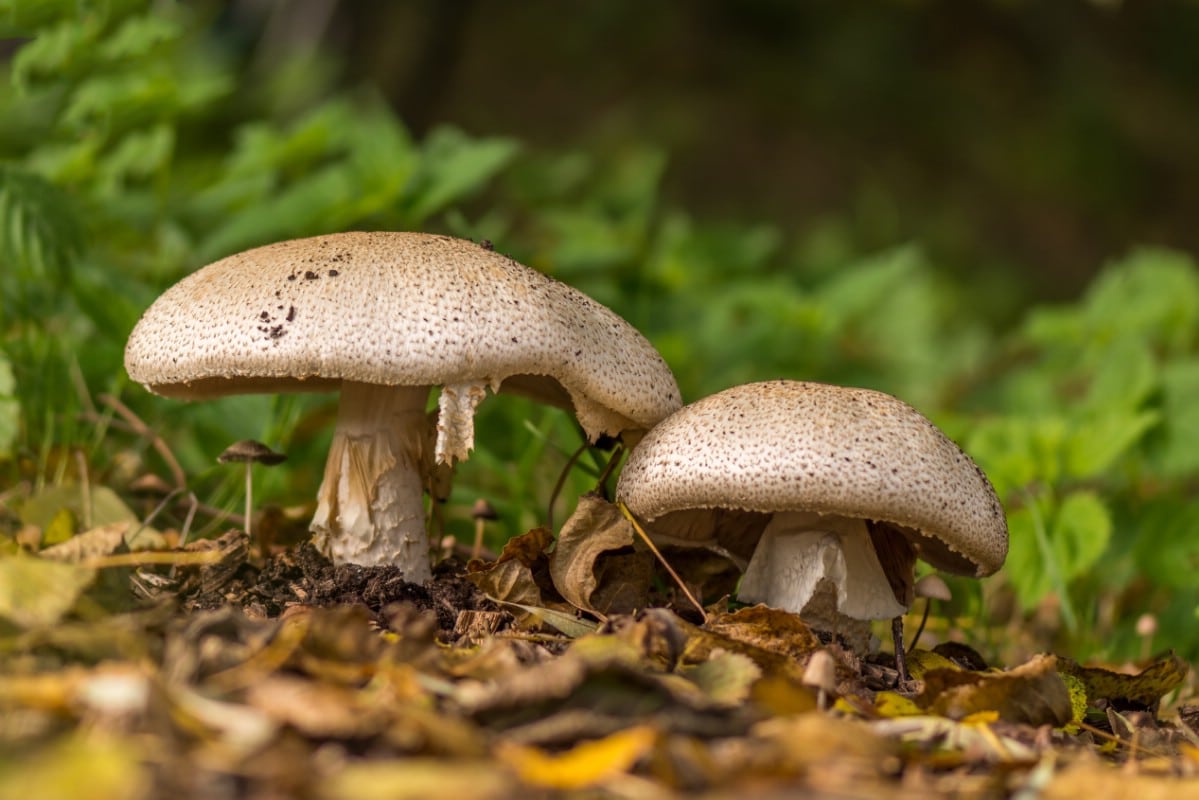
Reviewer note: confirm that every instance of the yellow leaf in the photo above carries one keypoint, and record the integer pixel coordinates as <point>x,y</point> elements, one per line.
<point>1145,689</point>
<point>921,661</point>
<point>781,696</point>
<point>890,704</point>
<point>585,765</point>
<point>60,528</point>
<point>35,592</point>
<point>980,718</point>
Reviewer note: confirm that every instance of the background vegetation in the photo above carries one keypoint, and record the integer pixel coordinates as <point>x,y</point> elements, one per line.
<point>999,239</point>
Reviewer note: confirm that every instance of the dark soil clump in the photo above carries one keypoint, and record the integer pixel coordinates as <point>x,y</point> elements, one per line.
<point>302,576</point>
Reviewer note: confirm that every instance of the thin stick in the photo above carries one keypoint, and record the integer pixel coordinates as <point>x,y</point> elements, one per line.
<point>928,604</point>
<point>156,441</point>
<point>85,488</point>
<point>570,462</point>
<point>645,538</point>
<point>147,557</point>
<point>617,452</point>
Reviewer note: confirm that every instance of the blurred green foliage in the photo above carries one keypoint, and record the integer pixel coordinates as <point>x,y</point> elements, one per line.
<point>136,149</point>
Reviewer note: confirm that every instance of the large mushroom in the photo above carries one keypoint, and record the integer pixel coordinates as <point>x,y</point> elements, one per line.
<point>383,318</point>
<point>830,493</point>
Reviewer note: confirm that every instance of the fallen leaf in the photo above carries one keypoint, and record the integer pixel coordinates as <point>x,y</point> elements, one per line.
<point>1032,693</point>
<point>1142,691</point>
<point>35,592</point>
<point>105,540</point>
<point>78,767</point>
<point>564,623</point>
<point>596,527</point>
<point>767,628</point>
<point>1097,779</point>
<point>510,582</point>
<point>418,779</point>
<point>585,765</point>
<point>725,677</point>
<point>921,661</point>
<point>103,506</point>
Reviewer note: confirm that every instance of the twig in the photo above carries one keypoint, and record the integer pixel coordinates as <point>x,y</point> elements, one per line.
<point>145,557</point>
<point>156,441</point>
<point>653,549</point>
<point>617,452</point>
<point>566,468</point>
<point>85,489</point>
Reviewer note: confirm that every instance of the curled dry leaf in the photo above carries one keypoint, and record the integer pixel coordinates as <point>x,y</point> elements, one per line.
<point>1032,693</point>
<point>595,528</point>
<point>511,579</point>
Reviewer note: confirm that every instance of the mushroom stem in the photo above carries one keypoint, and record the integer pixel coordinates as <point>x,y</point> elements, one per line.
<point>802,552</point>
<point>370,505</point>
<point>249,498</point>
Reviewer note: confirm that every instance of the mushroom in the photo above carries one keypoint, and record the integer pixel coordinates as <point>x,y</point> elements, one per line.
<point>249,451</point>
<point>383,318</point>
<point>830,493</point>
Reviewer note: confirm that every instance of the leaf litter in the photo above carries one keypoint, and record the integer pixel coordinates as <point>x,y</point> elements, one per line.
<point>568,666</point>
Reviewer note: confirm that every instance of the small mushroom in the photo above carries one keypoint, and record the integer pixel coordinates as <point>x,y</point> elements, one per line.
<point>249,452</point>
<point>481,511</point>
<point>830,493</point>
<point>383,318</point>
<point>820,675</point>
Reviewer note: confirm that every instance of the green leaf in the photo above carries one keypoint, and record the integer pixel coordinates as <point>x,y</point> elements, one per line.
<point>1081,531</point>
<point>1176,453</point>
<point>1093,446</point>
<point>454,166</point>
<point>1051,544</point>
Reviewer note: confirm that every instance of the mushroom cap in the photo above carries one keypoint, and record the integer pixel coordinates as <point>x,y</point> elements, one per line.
<point>250,450</point>
<point>408,309</point>
<point>798,446</point>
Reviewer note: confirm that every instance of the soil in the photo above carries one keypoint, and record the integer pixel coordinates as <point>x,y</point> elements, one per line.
<point>302,576</point>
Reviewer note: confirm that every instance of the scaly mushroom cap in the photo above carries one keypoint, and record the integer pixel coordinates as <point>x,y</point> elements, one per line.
<point>397,309</point>
<point>796,446</point>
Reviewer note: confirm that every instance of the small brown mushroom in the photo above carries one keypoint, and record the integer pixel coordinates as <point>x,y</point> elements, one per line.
<point>481,511</point>
<point>249,452</point>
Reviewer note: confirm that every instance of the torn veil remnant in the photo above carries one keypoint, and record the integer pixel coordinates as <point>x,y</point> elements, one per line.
<point>383,318</point>
<point>831,493</point>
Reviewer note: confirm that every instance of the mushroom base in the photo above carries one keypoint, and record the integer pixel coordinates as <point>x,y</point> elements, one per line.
<point>370,504</point>
<point>822,567</point>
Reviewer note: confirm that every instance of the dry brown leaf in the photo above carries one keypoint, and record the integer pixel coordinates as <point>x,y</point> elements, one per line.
<point>769,629</point>
<point>510,581</point>
<point>595,528</point>
<point>105,540</point>
<point>316,709</point>
<point>1095,779</point>
<point>1032,693</point>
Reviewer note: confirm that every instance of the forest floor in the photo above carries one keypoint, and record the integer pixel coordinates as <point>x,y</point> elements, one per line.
<point>210,671</point>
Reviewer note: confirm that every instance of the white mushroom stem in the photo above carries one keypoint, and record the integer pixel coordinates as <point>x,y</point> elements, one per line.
<point>370,505</point>
<point>801,556</point>
<point>456,421</point>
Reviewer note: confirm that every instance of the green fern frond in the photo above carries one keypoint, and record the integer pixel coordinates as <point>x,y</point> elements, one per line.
<point>41,233</point>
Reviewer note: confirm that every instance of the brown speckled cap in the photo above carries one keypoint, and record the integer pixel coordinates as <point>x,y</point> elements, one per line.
<point>396,309</point>
<point>796,446</point>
